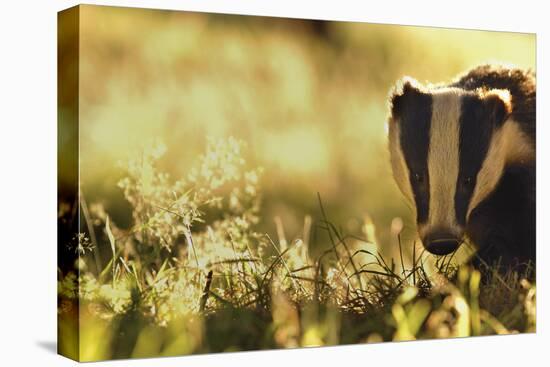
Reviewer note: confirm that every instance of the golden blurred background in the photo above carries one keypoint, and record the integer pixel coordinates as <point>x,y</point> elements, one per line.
<point>307,97</point>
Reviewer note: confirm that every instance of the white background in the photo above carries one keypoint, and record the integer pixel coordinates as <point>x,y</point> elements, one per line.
<point>28,182</point>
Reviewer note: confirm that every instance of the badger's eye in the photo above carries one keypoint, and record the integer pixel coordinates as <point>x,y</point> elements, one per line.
<point>419,178</point>
<point>468,181</point>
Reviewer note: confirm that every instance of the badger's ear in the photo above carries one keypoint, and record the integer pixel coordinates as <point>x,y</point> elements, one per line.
<point>498,103</point>
<point>405,89</point>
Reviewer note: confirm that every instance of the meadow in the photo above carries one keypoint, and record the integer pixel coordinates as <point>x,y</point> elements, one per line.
<point>235,189</point>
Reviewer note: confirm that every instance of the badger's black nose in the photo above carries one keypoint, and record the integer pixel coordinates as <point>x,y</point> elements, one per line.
<point>441,243</point>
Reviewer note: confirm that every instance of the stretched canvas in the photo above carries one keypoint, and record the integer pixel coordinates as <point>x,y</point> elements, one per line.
<point>233,183</point>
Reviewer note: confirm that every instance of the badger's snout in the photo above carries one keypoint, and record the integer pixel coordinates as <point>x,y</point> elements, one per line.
<point>441,242</point>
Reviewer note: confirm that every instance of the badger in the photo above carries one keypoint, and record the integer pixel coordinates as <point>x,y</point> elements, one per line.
<point>463,155</point>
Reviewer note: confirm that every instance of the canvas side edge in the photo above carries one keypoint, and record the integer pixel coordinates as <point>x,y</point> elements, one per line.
<point>68,226</point>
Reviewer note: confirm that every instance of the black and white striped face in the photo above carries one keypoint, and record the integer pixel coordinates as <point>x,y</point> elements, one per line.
<point>448,151</point>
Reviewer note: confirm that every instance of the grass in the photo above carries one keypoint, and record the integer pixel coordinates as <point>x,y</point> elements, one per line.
<point>192,274</point>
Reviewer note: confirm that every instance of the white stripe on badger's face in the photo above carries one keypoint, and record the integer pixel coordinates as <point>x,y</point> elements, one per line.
<point>399,166</point>
<point>443,161</point>
<point>508,145</point>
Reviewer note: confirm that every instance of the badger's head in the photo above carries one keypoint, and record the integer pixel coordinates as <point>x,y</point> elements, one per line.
<point>448,149</point>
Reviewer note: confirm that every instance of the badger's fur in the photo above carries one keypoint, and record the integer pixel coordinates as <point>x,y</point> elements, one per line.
<point>463,154</point>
